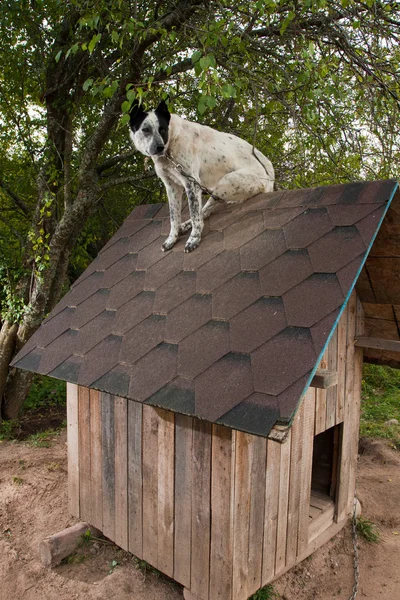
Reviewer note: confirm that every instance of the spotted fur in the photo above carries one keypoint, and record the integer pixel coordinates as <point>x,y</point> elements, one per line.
<point>218,161</point>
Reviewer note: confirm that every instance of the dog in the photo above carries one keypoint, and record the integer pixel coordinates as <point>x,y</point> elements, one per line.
<point>193,158</point>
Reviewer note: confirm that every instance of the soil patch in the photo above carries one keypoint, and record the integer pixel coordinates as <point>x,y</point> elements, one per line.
<point>33,504</point>
<point>39,420</point>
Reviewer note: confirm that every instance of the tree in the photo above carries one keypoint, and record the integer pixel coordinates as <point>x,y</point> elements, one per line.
<point>315,83</point>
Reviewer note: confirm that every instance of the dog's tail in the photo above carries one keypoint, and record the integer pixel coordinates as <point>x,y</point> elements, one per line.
<point>267,164</point>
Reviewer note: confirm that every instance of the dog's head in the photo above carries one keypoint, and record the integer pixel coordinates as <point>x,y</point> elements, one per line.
<point>149,130</point>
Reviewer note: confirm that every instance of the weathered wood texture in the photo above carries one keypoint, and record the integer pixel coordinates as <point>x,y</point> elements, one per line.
<point>73,449</point>
<point>221,511</point>
<point>379,288</point>
<point>378,343</point>
<point>54,548</point>
<point>329,403</point>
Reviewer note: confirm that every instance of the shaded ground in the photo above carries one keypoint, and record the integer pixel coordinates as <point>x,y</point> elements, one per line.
<point>33,504</point>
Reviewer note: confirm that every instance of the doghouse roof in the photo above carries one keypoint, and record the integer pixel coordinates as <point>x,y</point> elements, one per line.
<point>231,333</point>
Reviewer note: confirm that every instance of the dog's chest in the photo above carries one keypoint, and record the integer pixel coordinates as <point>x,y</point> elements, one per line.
<point>167,171</point>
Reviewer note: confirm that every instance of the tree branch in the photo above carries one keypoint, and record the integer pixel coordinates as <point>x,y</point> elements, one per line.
<point>127,179</point>
<point>16,199</point>
<point>115,160</point>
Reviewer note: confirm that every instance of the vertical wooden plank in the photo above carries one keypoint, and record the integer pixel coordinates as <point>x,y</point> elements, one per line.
<point>84,454</point>
<point>271,509</point>
<point>201,509</point>
<point>320,411</point>
<point>241,523</point>
<point>347,429</point>
<point>356,405</point>
<point>135,477</point>
<point>331,393</point>
<point>183,498</point>
<point>107,409</point>
<point>96,459</point>
<point>342,342</point>
<point>221,507</point>
<point>257,506</point>
<point>296,457</point>
<point>281,532</point>
<point>150,485</point>
<point>121,471</point>
<point>249,501</point>
<point>320,399</point>
<point>306,470</point>
<point>73,449</point>
<point>166,466</point>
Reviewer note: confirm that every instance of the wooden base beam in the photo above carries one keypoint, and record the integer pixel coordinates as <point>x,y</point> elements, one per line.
<point>378,344</point>
<point>55,547</point>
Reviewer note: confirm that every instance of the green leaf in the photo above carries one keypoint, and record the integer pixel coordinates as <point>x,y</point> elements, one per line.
<point>107,92</point>
<point>88,84</point>
<point>124,119</point>
<point>93,42</point>
<point>131,95</point>
<point>125,106</point>
<point>202,105</point>
<point>196,56</point>
<point>58,56</point>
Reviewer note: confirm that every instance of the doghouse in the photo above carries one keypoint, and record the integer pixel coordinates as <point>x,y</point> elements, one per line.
<point>214,397</point>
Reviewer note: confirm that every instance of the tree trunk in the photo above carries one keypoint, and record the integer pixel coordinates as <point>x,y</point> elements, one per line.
<point>8,335</point>
<point>16,392</point>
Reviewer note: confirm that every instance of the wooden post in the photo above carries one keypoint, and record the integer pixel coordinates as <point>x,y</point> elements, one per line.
<point>73,449</point>
<point>55,547</point>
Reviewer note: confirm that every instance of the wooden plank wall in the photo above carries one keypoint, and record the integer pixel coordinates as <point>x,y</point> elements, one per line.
<point>145,481</point>
<point>329,404</point>
<point>220,511</point>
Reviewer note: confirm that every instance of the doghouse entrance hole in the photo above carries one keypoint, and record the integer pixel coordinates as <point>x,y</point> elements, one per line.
<point>324,479</point>
<point>325,461</point>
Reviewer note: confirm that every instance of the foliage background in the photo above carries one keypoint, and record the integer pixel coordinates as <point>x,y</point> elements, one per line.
<point>315,84</point>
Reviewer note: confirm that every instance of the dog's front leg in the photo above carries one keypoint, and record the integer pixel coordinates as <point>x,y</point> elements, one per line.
<point>196,216</point>
<point>174,193</point>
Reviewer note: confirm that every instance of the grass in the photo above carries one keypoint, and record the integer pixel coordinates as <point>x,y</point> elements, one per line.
<point>380,403</point>
<point>87,537</point>
<point>73,559</point>
<point>8,429</point>
<point>265,593</point>
<point>43,439</point>
<point>368,530</point>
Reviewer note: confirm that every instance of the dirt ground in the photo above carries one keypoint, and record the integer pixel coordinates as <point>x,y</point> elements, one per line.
<point>33,504</point>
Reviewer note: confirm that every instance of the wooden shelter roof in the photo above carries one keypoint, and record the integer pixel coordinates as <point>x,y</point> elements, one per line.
<point>233,332</point>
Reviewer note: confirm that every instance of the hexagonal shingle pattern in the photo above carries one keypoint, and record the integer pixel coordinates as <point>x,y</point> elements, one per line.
<point>230,333</point>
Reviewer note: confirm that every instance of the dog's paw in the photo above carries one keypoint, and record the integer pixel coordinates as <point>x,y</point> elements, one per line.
<point>192,244</point>
<point>184,227</point>
<point>168,244</point>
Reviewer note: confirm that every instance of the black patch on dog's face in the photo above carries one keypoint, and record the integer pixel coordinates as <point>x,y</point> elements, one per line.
<point>163,115</point>
<point>137,116</point>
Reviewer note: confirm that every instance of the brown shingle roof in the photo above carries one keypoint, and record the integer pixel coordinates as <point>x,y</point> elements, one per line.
<point>232,332</point>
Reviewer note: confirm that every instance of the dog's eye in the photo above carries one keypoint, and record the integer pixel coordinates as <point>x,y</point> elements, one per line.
<point>146,130</point>
<point>162,130</point>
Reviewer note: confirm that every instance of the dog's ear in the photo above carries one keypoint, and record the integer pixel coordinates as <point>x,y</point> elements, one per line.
<point>162,111</point>
<point>137,115</point>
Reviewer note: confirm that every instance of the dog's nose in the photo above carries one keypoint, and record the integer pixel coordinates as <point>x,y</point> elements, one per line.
<point>160,149</point>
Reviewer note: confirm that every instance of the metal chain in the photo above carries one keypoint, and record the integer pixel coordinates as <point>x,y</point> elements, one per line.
<point>355,551</point>
<point>189,177</point>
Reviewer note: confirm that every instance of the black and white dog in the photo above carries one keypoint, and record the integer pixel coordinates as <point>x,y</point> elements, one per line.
<point>193,158</point>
